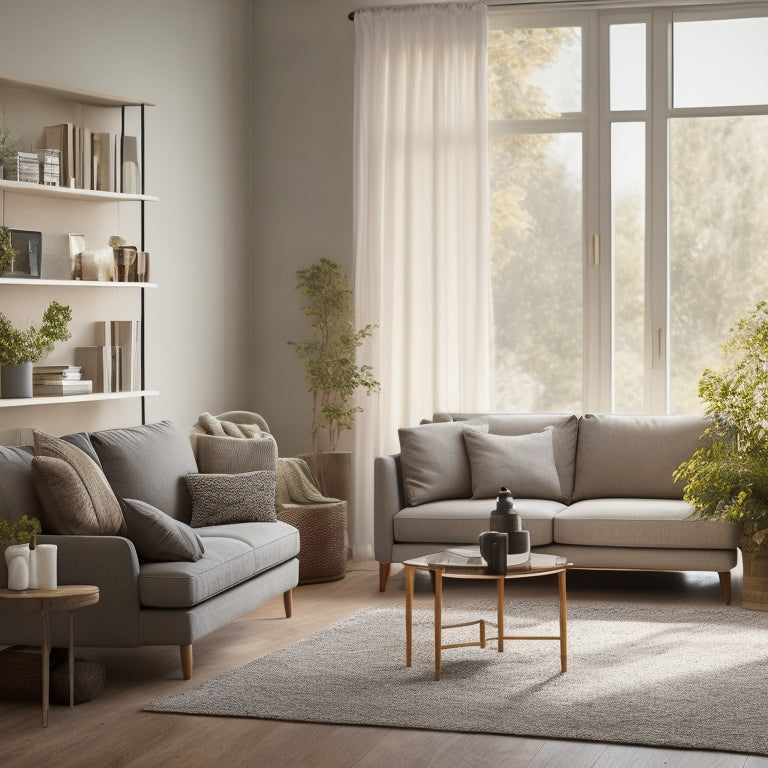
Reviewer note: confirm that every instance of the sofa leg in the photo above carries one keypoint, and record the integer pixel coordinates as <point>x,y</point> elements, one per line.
<point>288,603</point>
<point>725,585</point>
<point>383,575</point>
<point>186,661</point>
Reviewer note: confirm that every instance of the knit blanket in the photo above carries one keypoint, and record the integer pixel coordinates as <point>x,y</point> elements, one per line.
<point>294,481</point>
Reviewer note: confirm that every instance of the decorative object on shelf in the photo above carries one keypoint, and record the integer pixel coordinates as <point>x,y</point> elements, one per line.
<point>727,478</point>
<point>20,348</point>
<point>47,576</point>
<point>98,264</point>
<point>20,532</point>
<point>26,248</point>
<point>8,253</point>
<point>332,373</point>
<point>504,518</point>
<point>493,548</point>
<point>76,248</point>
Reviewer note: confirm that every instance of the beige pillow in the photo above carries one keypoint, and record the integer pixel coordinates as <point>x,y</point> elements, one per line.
<point>434,461</point>
<point>233,455</point>
<point>74,492</point>
<point>523,463</point>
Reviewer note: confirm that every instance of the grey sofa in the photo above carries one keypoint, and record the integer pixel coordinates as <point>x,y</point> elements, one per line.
<point>148,601</point>
<point>597,489</point>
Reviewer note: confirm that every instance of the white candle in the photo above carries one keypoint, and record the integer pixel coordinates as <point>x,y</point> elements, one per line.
<point>46,566</point>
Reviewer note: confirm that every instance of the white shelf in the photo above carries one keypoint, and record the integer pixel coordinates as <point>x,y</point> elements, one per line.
<point>75,94</point>
<point>15,402</point>
<point>93,195</point>
<point>72,283</point>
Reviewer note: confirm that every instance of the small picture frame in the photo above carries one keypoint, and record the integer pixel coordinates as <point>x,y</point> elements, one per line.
<point>30,249</point>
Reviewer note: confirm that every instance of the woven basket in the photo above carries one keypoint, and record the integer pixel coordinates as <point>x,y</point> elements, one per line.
<point>323,533</point>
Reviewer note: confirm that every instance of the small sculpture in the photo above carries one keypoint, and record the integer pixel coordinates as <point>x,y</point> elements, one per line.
<point>505,519</point>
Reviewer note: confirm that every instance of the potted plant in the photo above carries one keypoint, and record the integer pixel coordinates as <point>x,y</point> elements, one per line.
<point>8,253</point>
<point>20,532</point>
<point>332,372</point>
<point>727,478</point>
<point>19,349</point>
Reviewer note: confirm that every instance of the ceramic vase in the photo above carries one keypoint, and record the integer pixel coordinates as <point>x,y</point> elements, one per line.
<point>16,380</point>
<point>17,558</point>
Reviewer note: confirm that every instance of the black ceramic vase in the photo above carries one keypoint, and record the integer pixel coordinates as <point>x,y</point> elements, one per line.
<point>506,520</point>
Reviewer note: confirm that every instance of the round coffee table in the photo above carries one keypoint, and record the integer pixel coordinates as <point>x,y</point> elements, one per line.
<point>66,597</point>
<point>537,565</point>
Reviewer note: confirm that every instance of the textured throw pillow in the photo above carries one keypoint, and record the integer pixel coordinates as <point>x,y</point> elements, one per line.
<point>75,495</point>
<point>217,499</point>
<point>523,463</point>
<point>157,536</point>
<point>233,455</point>
<point>434,461</point>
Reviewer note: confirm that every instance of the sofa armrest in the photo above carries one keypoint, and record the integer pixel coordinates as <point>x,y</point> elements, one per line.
<point>388,500</point>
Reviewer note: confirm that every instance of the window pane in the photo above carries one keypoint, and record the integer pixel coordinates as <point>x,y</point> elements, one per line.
<point>628,238</point>
<point>536,269</point>
<point>720,63</point>
<point>627,43</point>
<point>718,240</point>
<point>534,73</point>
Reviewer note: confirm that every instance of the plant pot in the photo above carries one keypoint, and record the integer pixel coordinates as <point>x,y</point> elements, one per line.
<point>333,472</point>
<point>754,593</point>
<point>16,380</point>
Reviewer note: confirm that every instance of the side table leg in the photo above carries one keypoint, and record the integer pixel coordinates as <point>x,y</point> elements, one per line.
<point>438,620</point>
<point>409,577</point>
<point>563,623</point>
<point>500,611</point>
<point>71,660</point>
<point>46,665</point>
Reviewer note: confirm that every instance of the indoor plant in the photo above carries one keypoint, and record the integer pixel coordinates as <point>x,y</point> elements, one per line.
<point>8,146</point>
<point>727,478</point>
<point>21,531</point>
<point>332,372</point>
<point>7,252</point>
<point>19,349</point>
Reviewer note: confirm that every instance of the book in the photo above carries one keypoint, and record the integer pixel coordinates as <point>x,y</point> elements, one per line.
<point>63,387</point>
<point>62,137</point>
<point>56,369</point>
<point>96,363</point>
<point>45,378</point>
<point>126,335</point>
<point>469,556</point>
<point>130,182</point>
<point>103,161</point>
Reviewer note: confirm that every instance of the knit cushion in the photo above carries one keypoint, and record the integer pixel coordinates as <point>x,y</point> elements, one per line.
<point>523,463</point>
<point>157,536</point>
<point>232,455</point>
<point>74,492</point>
<point>225,498</point>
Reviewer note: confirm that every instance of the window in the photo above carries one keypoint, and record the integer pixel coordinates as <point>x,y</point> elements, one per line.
<point>629,184</point>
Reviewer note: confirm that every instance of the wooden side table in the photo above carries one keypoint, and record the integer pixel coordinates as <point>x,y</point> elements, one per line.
<point>67,597</point>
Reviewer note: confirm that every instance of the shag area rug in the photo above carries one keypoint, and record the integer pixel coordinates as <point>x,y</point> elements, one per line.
<point>676,676</point>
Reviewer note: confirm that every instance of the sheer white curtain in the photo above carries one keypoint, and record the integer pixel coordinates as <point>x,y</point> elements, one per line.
<point>421,225</point>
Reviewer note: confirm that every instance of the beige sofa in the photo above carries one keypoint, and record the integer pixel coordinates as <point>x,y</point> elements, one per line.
<point>597,489</point>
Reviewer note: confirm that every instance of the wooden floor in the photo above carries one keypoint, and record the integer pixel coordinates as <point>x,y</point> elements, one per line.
<point>113,730</point>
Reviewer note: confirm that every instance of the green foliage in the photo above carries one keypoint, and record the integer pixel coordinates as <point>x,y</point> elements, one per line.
<point>21,531</point>
<point>8,146</point>
<point>7,252</point>
<point>728,477</point>
<point>32,344</point>
<point>329,354</point>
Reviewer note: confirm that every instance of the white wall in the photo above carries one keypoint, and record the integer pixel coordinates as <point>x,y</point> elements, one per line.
<point>192,59</point>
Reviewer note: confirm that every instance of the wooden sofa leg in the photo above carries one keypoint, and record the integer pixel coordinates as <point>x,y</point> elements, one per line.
<point>725,585</point>
<point>186,661</point>
<point>383,575</point>
<point>288,603</point>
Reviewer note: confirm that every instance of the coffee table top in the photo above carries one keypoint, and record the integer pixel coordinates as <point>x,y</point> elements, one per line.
<point>536,565</point>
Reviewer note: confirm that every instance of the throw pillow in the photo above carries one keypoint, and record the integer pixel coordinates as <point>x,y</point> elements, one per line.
<point>75,495</point>
<point>157,536</point>
<point>434,461</point>
<point>523,463</point>
<point>233,455</point>
<point>217,499</point>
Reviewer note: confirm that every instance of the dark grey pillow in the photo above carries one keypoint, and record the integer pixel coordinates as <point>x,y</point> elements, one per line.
<point>158,537</point>
<point>148,462</point>
<point>17,492</point>
<point>218,499</point>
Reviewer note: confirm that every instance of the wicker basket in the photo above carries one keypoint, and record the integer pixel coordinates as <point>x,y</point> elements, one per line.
<point>323,532</point>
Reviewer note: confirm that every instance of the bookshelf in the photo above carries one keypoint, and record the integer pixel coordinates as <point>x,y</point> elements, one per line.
<point>56,211</point>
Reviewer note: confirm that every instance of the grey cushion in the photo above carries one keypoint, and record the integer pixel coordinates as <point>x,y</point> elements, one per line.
<point>434,461</point>
<point>224,498</point>
<point>233,455</point>
<point>523,463</point>
<point>633,456</point>
<point>157,536</point>
<point>17,492</point>
<point>82,441</point>
<point>148,462</point>
<point>76,496</point>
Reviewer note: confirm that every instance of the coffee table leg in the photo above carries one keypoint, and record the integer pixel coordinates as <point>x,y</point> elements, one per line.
<point>563,623</point>
<point>438,619</point>
<point>500,610</point>
<point>46,665</point>
<point>409,578</point>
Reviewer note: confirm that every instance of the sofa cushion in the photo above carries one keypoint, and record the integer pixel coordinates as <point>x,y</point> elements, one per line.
<point>633,456</point>
<point>248,497</point>
<point>523,463</point>
<point>649,523</point>
<point>74,492</point>
<point>17,491</point>
<point>434,461</point>
<point>233,455</point>
<point>157,536</point>
<point>461,521</point>
<point>149,462</point>
<point>231,557</point>
<point>564,437</point>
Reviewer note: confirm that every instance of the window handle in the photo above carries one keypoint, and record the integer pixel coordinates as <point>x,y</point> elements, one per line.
<point>595,250</point>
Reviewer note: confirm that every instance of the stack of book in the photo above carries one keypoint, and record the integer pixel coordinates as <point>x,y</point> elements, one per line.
<point>53,380</point>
